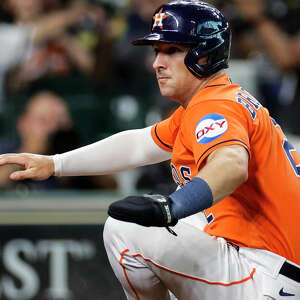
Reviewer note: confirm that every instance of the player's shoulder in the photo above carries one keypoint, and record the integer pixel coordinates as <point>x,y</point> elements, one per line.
<point>224,101</point>
<point>176,114</point>
<point>211,93</point>
<point>226,96</point>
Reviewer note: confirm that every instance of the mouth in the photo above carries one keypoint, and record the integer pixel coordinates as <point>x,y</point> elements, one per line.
<point>163,78</point>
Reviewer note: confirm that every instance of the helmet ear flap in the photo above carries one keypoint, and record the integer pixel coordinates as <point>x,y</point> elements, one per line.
<point>191,61</point>
<point>217,59</point>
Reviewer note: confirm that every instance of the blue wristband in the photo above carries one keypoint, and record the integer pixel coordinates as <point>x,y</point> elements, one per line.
<point>195,196</point>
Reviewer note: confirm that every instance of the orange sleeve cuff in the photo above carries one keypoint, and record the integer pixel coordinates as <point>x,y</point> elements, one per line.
<point>158,141</point>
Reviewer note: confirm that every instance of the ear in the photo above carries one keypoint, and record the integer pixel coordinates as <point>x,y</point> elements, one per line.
<point>203,60</point>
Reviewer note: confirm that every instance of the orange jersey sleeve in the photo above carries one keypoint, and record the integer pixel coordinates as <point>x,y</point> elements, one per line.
<point>164,133</point>
<point>211,124</point>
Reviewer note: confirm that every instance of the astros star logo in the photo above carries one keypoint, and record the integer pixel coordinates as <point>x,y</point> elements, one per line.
<point>158,18</point>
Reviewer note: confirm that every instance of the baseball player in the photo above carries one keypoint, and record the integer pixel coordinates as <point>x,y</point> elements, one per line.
<point>230,229</point>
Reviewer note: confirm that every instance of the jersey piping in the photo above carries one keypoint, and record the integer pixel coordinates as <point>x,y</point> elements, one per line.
<point>223,142</point>
<point>156,134</point>
<point>225,284</point>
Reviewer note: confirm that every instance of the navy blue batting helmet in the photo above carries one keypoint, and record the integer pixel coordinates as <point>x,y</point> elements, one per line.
<point>194,23</point>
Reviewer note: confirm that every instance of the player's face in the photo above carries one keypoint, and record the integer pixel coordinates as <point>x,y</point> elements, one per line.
<point>175,81</point>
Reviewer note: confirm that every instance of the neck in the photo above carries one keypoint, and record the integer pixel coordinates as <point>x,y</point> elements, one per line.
<point>203,82</point>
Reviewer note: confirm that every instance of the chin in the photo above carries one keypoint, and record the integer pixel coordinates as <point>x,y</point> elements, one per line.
<point>171,97</point>
<point>165,92</point>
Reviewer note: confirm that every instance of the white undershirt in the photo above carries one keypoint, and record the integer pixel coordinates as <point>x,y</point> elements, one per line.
<point>120,152</point>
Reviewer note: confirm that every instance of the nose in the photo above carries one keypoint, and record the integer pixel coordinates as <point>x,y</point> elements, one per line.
<point>159,61</point>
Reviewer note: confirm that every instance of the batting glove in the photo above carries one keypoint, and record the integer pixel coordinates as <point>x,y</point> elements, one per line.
<point>147,210</point>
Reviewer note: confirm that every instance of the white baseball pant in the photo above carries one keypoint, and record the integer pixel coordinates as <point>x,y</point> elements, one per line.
<point>149,262</point>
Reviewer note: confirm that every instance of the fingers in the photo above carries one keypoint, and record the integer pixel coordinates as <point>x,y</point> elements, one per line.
<point>37,167</point>
<point>22,160</point>
<point>17,159</point>
<point>12,158</point>
<point>21,175</point>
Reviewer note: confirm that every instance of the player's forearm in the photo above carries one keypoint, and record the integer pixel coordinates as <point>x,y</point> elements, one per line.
<point>225,170</point>
<point>122,151</point>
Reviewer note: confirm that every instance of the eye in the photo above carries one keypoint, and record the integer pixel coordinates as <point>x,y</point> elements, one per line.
<point>168,50</point>
<point>155,50</point>
<point>173,50</point>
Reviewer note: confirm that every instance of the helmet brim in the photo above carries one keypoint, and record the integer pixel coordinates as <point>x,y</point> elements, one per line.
<point>149,39</point>
<point>168,37</point>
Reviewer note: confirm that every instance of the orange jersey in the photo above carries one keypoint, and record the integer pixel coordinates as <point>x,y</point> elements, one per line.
<point>263,212</point>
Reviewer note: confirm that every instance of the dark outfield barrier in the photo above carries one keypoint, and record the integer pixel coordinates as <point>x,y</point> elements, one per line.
<point>52,249</point>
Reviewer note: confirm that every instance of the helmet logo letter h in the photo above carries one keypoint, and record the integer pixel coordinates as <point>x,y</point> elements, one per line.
<point>158,18</point>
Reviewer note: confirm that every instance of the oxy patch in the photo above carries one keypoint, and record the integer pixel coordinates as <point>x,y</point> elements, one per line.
<point>210,127</point>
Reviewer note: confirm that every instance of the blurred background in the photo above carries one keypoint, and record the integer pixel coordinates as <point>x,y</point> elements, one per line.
<point>69,76</point>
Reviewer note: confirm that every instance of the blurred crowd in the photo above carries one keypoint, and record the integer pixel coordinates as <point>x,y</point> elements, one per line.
<point>69,75</point>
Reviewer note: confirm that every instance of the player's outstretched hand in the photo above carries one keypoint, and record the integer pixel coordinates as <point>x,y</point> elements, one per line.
<point>147,210</point>
<point>36,167</point>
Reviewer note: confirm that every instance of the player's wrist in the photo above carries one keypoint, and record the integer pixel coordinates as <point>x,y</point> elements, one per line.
<point>194,197</point>
<point>56,165</point>
<point>51,166</point>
